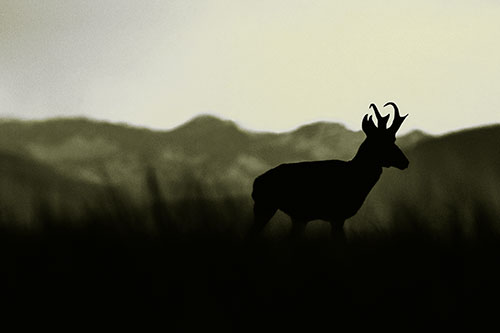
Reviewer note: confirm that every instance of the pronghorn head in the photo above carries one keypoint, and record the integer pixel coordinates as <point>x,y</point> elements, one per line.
<point>380,140</point>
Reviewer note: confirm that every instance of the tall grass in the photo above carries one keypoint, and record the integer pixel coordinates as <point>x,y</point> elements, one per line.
<point>185,265</point>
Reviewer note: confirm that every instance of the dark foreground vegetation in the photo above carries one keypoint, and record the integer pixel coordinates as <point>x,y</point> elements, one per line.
<point>128,264</point>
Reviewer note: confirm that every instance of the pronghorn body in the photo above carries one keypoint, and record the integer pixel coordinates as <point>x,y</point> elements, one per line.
<point>315,196</point>
<point>329,190</point>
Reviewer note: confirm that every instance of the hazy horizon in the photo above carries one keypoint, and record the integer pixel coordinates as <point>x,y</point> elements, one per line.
<point>268,66</point>
<point>239,125</point>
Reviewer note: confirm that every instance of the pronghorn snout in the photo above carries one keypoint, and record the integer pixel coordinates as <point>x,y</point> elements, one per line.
<point>402,163</point>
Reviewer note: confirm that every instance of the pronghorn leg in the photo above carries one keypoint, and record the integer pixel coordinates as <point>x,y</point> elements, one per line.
<point>298,229</point>
<point>262,214</point>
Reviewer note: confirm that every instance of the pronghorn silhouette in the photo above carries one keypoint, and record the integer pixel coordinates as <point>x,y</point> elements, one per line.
<point>329,190</point>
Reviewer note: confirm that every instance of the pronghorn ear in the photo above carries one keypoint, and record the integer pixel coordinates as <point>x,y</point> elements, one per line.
<point>368,125</point>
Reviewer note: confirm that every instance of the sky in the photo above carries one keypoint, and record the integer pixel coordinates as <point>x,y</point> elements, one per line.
<point>269,65</point>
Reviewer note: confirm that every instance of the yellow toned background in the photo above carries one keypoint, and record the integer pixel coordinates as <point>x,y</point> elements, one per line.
<point>268,65</point>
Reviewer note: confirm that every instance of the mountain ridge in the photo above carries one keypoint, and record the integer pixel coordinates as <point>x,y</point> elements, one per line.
<point>199,119</point>
<point>216,158</point>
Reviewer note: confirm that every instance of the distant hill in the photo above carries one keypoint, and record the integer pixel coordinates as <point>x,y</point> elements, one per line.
<point>453,177</point>
<point>27,184</point>
<point>213,152</point>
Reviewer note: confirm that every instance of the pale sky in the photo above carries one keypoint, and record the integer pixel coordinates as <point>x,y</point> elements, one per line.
<point>266,64</point>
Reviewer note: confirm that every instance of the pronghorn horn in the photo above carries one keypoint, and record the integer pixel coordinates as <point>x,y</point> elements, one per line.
<point>382,121</point>
<point>398,120</point>
<point>368,125</point>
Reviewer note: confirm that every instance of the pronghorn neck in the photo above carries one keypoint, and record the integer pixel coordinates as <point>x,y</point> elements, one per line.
<point>366,168</point>
<point>366,159</point>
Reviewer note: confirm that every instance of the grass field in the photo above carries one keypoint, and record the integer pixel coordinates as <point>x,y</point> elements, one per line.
<point>186,266</point>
